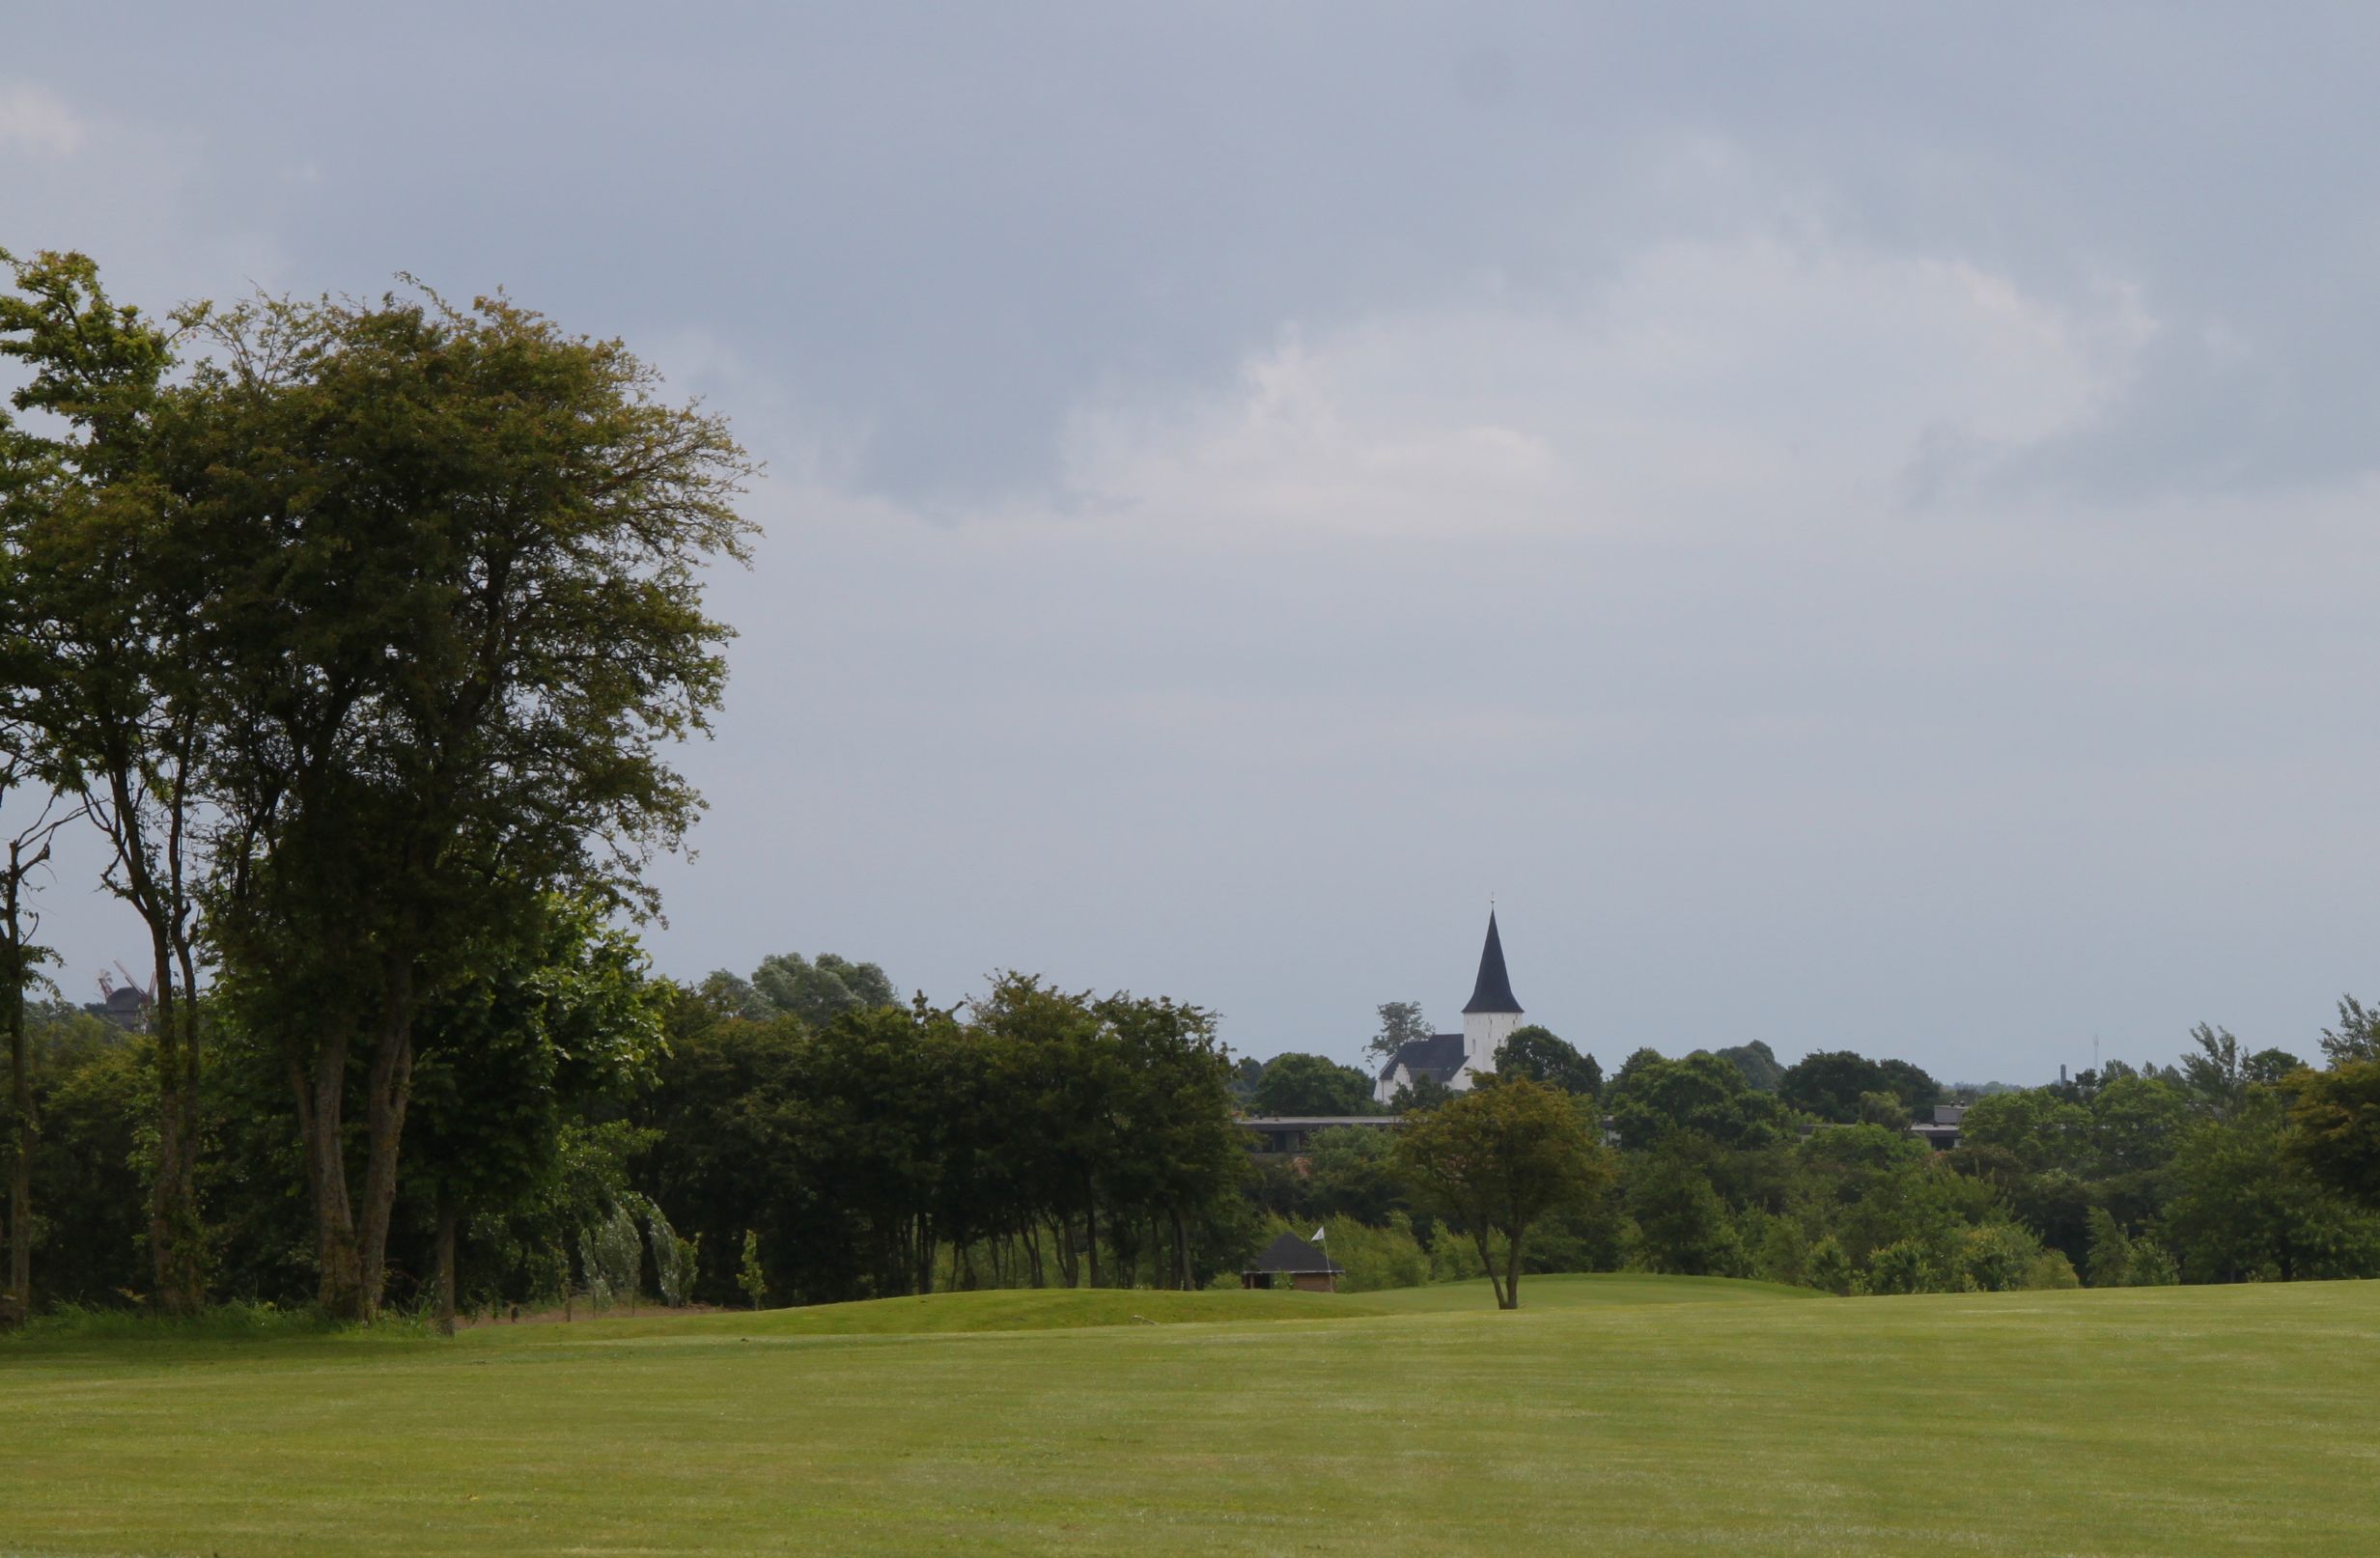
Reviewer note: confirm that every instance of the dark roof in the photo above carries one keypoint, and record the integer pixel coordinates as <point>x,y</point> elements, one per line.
<point>1439,1055</point>
<point>1289,1253</point>
<point>1317,1122</point>
<point>1493,991</point>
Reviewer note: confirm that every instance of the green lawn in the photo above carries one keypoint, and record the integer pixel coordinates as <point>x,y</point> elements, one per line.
<point>1606,1417</point>
<point>1571,1292</point>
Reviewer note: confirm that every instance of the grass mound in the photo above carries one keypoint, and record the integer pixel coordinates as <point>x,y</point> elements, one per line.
<point>1009,1309</point>
<point>1583,1290</point>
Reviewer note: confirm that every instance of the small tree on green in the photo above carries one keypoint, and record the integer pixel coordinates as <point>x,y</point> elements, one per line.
<point>750,1276</point>
<point>2111,1250</point>
<point>1496,1160</point>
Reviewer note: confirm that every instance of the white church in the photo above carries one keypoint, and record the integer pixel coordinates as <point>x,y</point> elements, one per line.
<point>1456,1058</point>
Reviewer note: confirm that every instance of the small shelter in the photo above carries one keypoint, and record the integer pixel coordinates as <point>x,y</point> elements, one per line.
<point>1307,1268</point>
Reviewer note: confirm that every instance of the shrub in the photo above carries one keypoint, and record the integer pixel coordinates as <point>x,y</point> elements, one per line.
<point>1997,1257</point>
<point>750,1276</point>
<point>2152,1266</point>
<point>1899,1268</point>
<point>2051,1270</point>
<point>1828,1269</point>
<point>2111,1250</point>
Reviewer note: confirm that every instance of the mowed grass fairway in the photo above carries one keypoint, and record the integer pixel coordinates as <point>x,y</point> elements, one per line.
<point>1629,1415</point>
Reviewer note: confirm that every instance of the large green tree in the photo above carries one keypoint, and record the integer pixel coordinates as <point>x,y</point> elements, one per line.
<point>2335,1127</point>
<point>1499,1159</point>
<point>2245,1208</point>
<point>1535,1051</point>
<point>1828,1083</point>
<point>457,623</point>
<point>510,1057</point>
<point>30,817</point>
<point>816,992</point>
<point>1652,1095</point>
<point>1298,1083</point>
<point>110,647</point>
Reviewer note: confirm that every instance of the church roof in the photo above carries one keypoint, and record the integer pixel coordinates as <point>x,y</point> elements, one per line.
<point>1493,991</point>
<point>1438,1056</point>
<point>1289,1253</point>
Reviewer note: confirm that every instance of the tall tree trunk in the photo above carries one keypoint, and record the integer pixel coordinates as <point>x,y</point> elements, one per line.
<point>390,1088</point>
<point>321,1107</point>
<point>1181,1251</point>
<point>1487,1259</point>
<point>1512,1269</point>
<point>1090,1234</point>
<point>177,1235</point>
<point>18,1307</point>
<point>446,1266</point>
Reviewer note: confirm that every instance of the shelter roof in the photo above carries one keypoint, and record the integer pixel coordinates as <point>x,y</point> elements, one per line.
<point>1295,1256</point>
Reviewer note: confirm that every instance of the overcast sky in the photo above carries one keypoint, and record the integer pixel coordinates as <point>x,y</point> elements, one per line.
<point>1854,523</point>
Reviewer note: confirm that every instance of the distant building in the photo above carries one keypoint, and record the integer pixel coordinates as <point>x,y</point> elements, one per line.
<point>1941,1132</point>
<point>1943,1129</point>
<point>126,1006</point>
<point>1454,1059</point>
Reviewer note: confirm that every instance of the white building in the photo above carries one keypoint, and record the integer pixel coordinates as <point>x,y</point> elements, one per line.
<point>1455,1058</point>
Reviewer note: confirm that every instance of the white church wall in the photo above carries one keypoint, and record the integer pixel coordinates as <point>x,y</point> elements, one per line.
<point>1483,1037</point>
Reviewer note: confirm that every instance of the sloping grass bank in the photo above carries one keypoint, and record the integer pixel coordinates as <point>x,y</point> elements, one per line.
<point>1008,1309</point>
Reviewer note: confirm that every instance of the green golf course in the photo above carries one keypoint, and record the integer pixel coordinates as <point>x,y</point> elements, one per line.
<point>1610,1414</point>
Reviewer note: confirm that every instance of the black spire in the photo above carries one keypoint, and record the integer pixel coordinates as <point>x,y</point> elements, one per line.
<point>1494,991</point>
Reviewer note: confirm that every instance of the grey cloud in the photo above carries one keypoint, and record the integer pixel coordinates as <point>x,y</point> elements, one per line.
<point>1789,713</point>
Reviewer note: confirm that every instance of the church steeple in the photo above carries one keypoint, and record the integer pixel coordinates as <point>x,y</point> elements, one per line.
<point>1493,1014</point>
<point>1492,992</point>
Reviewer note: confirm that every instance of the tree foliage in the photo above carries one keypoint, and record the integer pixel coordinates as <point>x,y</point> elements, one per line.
<point>817,992</point>
<point>1830,1083</point>
<point>108,641</point>
<point>1302,1084</point>
<point>1653,1096</point>
<point>2336,1116</point>
<point>1534,1051</point>
<point>1496,1161</point>
<point>1401,1024</point>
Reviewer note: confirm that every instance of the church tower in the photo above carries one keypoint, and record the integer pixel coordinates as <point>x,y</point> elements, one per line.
<point>1492,1012</point>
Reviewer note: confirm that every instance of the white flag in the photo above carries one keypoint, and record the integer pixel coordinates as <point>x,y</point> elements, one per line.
<point>1318,1233</point>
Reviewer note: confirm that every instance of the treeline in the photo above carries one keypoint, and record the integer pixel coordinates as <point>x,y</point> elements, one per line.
<point>1032,1138</point>
<point>2224,1166</point>
<point>582,1129</point>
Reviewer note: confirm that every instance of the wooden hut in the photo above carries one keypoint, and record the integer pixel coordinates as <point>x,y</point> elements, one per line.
<point>1307,1268</point>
